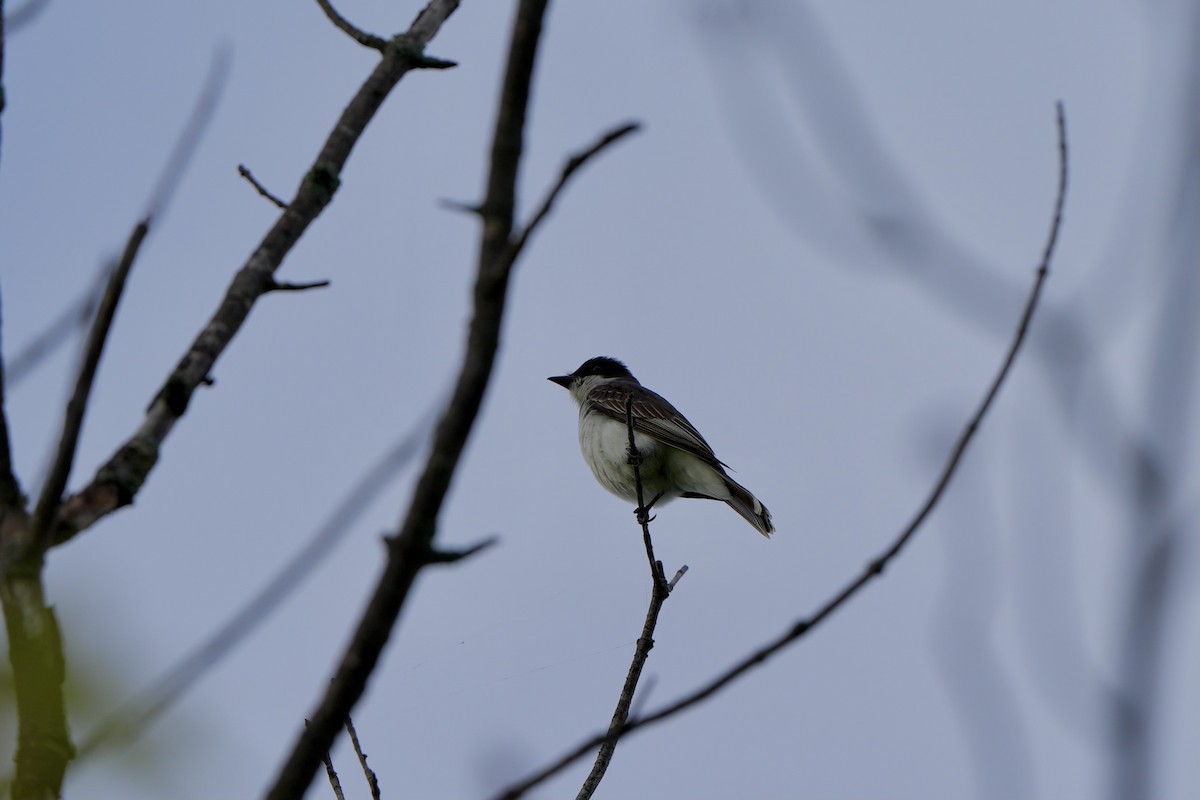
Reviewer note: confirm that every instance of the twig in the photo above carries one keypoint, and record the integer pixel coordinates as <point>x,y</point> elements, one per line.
<point>573,163</point>
<point>331,774</point>
<point>120,478</point>
<point>875,568</point>
<point>276,286</point>
<point>11,496</point>
<point>368,773</point>
<point>60,470</point>
<point>258,187</point>
<point>365,39</point>
<point>129,721</point>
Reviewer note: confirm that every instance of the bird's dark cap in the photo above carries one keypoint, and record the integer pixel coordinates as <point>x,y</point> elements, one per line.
<point>600,366</point>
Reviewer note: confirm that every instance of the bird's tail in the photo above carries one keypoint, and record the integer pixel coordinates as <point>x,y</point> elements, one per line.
<point>749,507</point>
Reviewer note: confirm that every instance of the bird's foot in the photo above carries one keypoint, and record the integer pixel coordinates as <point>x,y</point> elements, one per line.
<point>643,514</point>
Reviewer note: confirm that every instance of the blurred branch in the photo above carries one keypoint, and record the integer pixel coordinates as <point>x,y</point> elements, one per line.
<point>11,496</point>
<point>121,477</point>
<point>1158,535</point>
<point>365,39</point>
<point>660,591</point>
<point>74,318</point>
<point>35,651</point>
<point>131,720</point>
<point>876,567</point>
<point>2,32</point>
<point>332,775</point>
<point>20,16</point>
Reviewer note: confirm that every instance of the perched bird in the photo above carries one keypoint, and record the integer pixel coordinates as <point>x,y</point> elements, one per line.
<point>676,461</point>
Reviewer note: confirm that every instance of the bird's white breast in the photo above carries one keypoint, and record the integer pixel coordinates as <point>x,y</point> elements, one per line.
<point>605,446</point>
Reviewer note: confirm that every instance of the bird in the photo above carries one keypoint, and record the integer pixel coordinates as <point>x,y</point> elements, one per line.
<point>676,461</point>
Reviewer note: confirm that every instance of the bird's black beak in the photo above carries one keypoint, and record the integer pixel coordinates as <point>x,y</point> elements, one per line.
<point>562,380</point>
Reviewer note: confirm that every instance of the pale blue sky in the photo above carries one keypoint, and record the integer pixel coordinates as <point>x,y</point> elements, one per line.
<point>722,254</point>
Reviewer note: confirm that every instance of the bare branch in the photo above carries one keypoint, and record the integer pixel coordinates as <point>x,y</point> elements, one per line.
<point>22,15</point>
<point>368,773</point>
<point>875,568</point>
<point>2,21</point>
<point>11,496</point>
<point>365,39</point>
<point>121,477</point>
<point>331,773</point>
<point>258,187</point>
<point>64,458</point>
<point>573,163</point>
<point>276,286</point>
<point>429,20</point>
<point>659,593</point>
<point>193,130</point>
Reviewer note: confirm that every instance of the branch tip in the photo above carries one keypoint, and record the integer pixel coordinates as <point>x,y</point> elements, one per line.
<point>452,556</point>
<point>277,286</point>
<point>341,23</point>
<point>262,190</point>
<point>458,205</point>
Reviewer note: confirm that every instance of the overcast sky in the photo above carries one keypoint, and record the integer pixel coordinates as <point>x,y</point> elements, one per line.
<point>817,249</point>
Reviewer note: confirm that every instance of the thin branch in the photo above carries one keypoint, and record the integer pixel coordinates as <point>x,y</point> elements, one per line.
<point>634,459</point>
<point>3,20</point>
<point>193,131</point>
<point>64,458</point>
<point>22,15</point>
<point>454,556</point>
<point>368,773</point>
<point>365,39</point>
<point>129,721</point>
<point>331,773</point>
<point>11,496</point>
<point>276,286</point>
<point>573,163</point>
<point>258,187</point>
<point>120,478</point>
<point>659,593</point>
<point>875,568</point>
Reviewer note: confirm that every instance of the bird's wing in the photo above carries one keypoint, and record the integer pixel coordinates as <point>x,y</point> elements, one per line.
<point>653,416</point>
